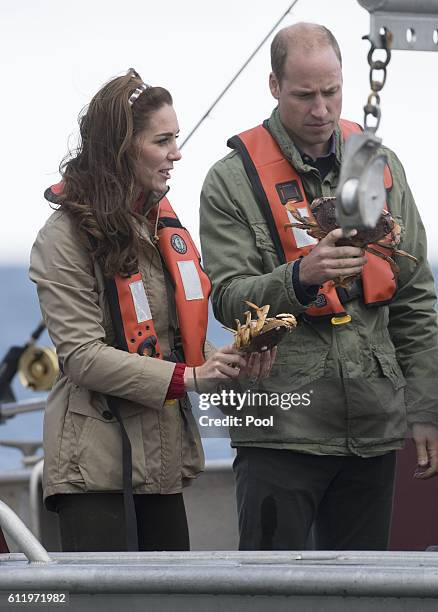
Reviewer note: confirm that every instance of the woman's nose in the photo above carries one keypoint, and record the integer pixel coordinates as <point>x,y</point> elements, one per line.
<point>174,154</point>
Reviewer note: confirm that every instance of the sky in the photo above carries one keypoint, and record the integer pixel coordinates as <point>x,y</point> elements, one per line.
<point>56,54</point>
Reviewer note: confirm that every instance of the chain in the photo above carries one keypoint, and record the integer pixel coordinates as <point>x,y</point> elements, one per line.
<point>372,106</point>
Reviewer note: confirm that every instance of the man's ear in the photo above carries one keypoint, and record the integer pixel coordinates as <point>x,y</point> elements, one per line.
<point>274,86</point>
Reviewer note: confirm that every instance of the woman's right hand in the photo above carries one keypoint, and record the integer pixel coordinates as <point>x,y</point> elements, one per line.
<point>226,362</point>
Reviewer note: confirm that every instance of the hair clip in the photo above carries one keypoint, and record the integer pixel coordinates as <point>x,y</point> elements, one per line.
<point>140,89</point>
<point>137,92</point>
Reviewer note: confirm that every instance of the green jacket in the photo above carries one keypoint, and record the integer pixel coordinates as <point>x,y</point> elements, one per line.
<point>367,379</point>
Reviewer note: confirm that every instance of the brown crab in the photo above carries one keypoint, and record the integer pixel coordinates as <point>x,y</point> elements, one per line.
<point>386,234</point>
<point>261,334</point>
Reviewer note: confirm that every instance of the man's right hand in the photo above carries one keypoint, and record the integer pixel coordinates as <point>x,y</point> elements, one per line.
<point>327,261</point>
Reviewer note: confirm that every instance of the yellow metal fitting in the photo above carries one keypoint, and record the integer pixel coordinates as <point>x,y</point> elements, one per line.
<point>341,320</point>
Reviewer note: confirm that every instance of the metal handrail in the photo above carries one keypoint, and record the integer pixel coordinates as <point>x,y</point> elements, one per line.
<point>313,574</point>
<point>10,409</point>
<point>22,536</point>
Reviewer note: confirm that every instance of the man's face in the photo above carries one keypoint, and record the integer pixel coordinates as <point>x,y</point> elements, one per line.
<point>309,97</point>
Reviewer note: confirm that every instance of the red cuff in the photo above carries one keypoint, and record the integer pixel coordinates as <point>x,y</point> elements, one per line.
<point>177,387</point>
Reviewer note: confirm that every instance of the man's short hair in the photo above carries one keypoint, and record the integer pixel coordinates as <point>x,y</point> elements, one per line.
<point>286,39</point>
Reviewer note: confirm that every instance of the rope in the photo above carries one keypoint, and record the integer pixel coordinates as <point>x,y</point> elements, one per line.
<point>238,73</point>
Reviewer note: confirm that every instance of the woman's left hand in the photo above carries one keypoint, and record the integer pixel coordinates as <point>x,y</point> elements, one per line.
<point>258,365</point>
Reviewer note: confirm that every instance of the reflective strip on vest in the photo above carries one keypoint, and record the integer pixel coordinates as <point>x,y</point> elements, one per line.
<point>190,280</point>
<point>141,303</point>
<point>273,178</point>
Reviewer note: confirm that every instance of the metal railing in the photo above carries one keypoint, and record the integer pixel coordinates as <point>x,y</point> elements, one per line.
<point>22,536</point>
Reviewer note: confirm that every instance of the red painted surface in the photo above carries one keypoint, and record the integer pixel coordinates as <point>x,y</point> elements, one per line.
<point>415,512</point>
<point>3,546</point>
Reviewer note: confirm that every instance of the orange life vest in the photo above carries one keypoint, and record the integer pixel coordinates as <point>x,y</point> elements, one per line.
<point>129,305</point>
<point>276,182</point>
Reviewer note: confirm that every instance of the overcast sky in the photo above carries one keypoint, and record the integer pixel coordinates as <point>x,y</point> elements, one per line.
<point>56,54</point>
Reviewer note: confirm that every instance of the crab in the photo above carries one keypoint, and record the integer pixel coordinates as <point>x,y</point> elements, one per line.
<point>261,334</point>
<point>385,235</point>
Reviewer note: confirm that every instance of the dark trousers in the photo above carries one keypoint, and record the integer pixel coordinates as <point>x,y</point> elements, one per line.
<point>281,493</point>
<point>96,522</point>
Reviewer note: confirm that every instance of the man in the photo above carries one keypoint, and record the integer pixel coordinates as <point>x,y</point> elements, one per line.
<point>365,354</point>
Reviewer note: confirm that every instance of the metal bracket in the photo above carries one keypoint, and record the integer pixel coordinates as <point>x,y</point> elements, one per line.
<point>361,191</point>
<point>412,23</point>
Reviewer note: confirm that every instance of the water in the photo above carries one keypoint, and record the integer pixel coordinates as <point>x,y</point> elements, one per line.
<point>19,316</point>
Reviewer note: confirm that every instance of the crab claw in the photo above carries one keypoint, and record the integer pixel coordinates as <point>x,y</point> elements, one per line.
<point>246,335</point>
<point>261,311</point>
<point>394,267</point>
<point>261,317</point>
<point>247,313</point>
<point>252,305</point>
<point>405,254</point>
<point>289,319</point>
<point>254,329</point>
<point>238,334</point>
<point>259,325</point>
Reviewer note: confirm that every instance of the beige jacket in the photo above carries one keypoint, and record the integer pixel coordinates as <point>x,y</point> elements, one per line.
<point>82,441</point>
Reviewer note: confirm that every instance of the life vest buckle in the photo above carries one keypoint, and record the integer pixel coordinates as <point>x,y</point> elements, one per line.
<point>342,320</point>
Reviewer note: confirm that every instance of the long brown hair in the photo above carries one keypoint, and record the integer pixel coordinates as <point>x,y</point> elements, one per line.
<point>99,182</point>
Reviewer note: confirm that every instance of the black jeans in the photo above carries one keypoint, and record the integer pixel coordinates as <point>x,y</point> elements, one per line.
<point>96,522</point>
<point>281,493</point>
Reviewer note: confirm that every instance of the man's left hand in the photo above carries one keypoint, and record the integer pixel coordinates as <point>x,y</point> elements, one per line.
<point>425,436</point>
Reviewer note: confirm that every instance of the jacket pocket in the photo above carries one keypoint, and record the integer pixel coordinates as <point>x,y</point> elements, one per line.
<point>377,409</point>
<point>98,441</point>
<point>94,405</point>
<point>297,369</point>
<point>390,368</point>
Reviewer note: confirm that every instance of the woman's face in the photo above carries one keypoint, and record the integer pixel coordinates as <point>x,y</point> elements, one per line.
<point>156,150</point>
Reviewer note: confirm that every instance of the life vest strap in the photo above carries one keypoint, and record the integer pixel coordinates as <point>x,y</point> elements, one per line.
<point>236,143</point>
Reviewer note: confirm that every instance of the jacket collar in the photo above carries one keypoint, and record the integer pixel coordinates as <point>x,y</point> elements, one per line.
<point>288,148</point>
<point>144,205</point>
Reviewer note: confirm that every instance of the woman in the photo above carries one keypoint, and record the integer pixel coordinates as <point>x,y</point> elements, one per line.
<point>125,302</point>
